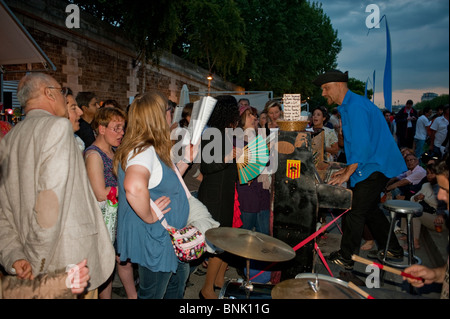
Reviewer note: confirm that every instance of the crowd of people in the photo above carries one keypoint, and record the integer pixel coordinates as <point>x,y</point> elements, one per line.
<point>60,180</point>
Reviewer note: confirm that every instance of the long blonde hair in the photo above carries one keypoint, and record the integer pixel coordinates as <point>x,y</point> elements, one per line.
<point>147,126</point>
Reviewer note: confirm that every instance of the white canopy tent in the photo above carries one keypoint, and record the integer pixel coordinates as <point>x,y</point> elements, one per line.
<point>17,45</point>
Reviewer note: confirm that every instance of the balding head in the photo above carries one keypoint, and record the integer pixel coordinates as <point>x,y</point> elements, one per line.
<point>334,92</point>
<point>41,91</point>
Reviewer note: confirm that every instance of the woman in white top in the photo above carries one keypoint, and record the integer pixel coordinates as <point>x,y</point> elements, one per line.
<point>145,171</point>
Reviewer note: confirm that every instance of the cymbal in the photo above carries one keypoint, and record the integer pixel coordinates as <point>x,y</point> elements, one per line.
<point>309,288</point>
<point>250,244</point>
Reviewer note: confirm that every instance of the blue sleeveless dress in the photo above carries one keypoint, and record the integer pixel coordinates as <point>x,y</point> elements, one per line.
<point>149,245</point>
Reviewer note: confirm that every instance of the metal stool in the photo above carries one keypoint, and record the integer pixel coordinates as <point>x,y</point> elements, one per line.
<point>410,209</point>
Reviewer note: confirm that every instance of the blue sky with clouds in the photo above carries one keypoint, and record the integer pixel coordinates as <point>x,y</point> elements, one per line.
<point>419,39</point>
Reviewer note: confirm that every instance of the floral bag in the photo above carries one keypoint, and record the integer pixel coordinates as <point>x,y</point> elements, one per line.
<point>188,242</point>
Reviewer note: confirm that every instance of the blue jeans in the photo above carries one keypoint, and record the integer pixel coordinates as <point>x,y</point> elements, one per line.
<point>259,221</point>
<point>419,147</point>
<point>159,285</point>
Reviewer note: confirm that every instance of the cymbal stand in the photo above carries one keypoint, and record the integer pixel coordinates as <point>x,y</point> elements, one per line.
<point>247,285</point>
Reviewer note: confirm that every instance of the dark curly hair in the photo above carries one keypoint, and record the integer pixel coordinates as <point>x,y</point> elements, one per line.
<point>225,114</point>
<point>324,111</point>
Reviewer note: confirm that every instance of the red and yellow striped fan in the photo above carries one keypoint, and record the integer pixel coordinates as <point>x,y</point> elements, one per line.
<point>253,160</point>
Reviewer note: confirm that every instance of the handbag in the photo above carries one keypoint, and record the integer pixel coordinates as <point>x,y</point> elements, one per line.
<point>188,242</point>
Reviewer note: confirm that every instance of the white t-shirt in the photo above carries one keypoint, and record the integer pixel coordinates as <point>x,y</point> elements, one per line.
<point>430,196</point>
<point>150,161</point>
<point>421,128</point>
<point>440,126</point>
<point>409,121</point>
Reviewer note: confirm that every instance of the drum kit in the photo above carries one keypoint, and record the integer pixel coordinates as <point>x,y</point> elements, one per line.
<point>253,245</point>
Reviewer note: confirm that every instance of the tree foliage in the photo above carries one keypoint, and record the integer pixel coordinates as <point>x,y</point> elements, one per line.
<point>288,44</point>
<point>434,103</point>
<point>266,45</point>
<point>213,35</point>
<point>153,26</point>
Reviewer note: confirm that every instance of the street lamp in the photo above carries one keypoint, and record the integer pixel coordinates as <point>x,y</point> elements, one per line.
<point>209,78</point>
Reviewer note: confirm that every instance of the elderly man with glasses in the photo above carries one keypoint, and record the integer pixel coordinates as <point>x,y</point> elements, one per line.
<point>405,185</point>
<point>49,216</point>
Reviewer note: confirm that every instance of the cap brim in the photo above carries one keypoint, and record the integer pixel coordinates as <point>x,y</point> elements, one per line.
<point>328,77</point>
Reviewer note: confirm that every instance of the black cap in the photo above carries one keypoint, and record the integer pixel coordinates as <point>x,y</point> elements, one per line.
<point>331,76</point>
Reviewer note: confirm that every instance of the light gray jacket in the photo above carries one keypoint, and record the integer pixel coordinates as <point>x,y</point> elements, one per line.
<point>48,212</point>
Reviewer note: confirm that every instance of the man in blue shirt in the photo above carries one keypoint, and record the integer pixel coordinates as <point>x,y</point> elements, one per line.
<point>373,158</point>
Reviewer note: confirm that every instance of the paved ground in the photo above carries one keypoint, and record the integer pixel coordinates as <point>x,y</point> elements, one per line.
<point>392,287</point>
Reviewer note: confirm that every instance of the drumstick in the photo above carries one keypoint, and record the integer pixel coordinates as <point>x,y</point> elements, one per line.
<point>359,290</point>
<point>387,268</point>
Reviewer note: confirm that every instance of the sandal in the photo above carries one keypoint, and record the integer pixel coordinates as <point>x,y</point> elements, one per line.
<point>368,245</point>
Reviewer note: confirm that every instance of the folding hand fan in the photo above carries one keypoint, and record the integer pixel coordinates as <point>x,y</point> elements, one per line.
<point>253,160</point>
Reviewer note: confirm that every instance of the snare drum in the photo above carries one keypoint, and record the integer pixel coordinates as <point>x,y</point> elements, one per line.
<point>234,289</point>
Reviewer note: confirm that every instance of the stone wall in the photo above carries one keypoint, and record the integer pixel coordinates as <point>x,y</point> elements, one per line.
<point>97,57</point>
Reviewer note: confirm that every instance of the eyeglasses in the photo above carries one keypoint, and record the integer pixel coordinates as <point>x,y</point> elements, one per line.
<point>117,129</point>
<point>63,90</point>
